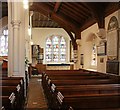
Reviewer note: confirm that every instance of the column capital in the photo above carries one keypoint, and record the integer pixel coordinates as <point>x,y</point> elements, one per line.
<point>101,33</point>
<point>78,41</point>
<point>16,23</point>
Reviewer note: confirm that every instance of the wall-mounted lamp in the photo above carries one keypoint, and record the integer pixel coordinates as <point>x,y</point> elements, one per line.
<point>31,42</point>
<point>5,32</point>
<point>25,4</point>
<point>29,31</point>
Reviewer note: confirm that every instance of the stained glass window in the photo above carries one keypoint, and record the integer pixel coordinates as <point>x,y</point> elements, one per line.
<point>48,50</point>
<point>94,55</point>
<point>55,44</point>
<point>62,49</point>
<point>55,49</point>
<point>4,44</point>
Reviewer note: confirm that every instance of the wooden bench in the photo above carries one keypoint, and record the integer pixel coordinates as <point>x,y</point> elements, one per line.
<point>8,102</point>
<point>15,85</point>
<point>85,81</point>
<point>18,93</point>
<point>62,77</point>
<point>92,101</point>
<point>81,88</point>
<point>89,89</point>
<point>76,96</point>
<point>66,72</point>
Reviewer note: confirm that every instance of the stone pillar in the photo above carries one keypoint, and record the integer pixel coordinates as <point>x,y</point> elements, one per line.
<point>78,41</point>
<point>18,32</point>
<point>15,50</point>
<point>77,55</point>
<point>16,39</point>
<point>30,36</point>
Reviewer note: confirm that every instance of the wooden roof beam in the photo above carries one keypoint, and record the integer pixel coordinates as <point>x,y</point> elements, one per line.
<point>72,39</point>
<point>57,6</point>
<point>61,20</point>
<point>97,14</point>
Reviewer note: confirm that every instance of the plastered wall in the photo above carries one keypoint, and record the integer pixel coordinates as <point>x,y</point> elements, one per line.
<point>39,36</point>
<point>86,46</point>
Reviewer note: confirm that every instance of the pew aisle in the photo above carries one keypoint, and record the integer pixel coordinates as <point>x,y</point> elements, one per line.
<point>36,98</point>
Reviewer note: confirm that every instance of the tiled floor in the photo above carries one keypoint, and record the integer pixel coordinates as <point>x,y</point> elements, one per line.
<point>36,99</point>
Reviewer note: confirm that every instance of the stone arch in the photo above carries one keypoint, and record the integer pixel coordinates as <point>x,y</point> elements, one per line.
<point>113,23</point>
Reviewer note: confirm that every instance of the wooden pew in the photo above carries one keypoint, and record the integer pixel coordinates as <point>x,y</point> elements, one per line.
<point>5,68</point>
<point>13,83</point>
<point>66,72</point>
<point>16,82</point>
<point>77,92</point>
<point>63,77</point>
<point>89,89</point>
<point>8,103</point>
<point>17,91</point>
<point>10,84</point>
<point>101,101</point>
<point>85,81</point>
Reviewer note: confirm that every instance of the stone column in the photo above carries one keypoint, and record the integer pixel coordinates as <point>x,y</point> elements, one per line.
<point>30,49</point>
<point>16,39</point>
<point>76,55</point>
<point>18,32</point>
<point>78,41</point>
<point>15,50</point>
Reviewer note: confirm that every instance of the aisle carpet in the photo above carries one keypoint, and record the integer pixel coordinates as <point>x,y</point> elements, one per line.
<point>36,99</point>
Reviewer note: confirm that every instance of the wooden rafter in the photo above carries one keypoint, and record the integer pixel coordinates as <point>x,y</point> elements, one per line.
<point>75,17</point>
<point>98,15</point>
<point>72,39</point>
<point>57,6</point>
<point>61,20</point>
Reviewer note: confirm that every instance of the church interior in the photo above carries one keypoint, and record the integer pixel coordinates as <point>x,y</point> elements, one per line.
<point>59,55</point>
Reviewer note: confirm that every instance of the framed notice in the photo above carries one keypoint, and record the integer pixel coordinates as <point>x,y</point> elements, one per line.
<point>35,51</point>
<point>101,49</point>
<point>112,43</point>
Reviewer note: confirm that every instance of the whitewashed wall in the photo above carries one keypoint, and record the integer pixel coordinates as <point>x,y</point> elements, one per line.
<point>86,47</point>
<point>39,36</point>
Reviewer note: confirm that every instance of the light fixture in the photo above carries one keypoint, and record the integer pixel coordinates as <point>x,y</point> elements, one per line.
<point>31,42</point>
<point>25,4</point>
<point>5,32</point>
<point>29,31</point>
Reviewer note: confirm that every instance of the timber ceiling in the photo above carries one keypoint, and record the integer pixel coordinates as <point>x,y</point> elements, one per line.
<point>41,21</point>
<point>72,16</point>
